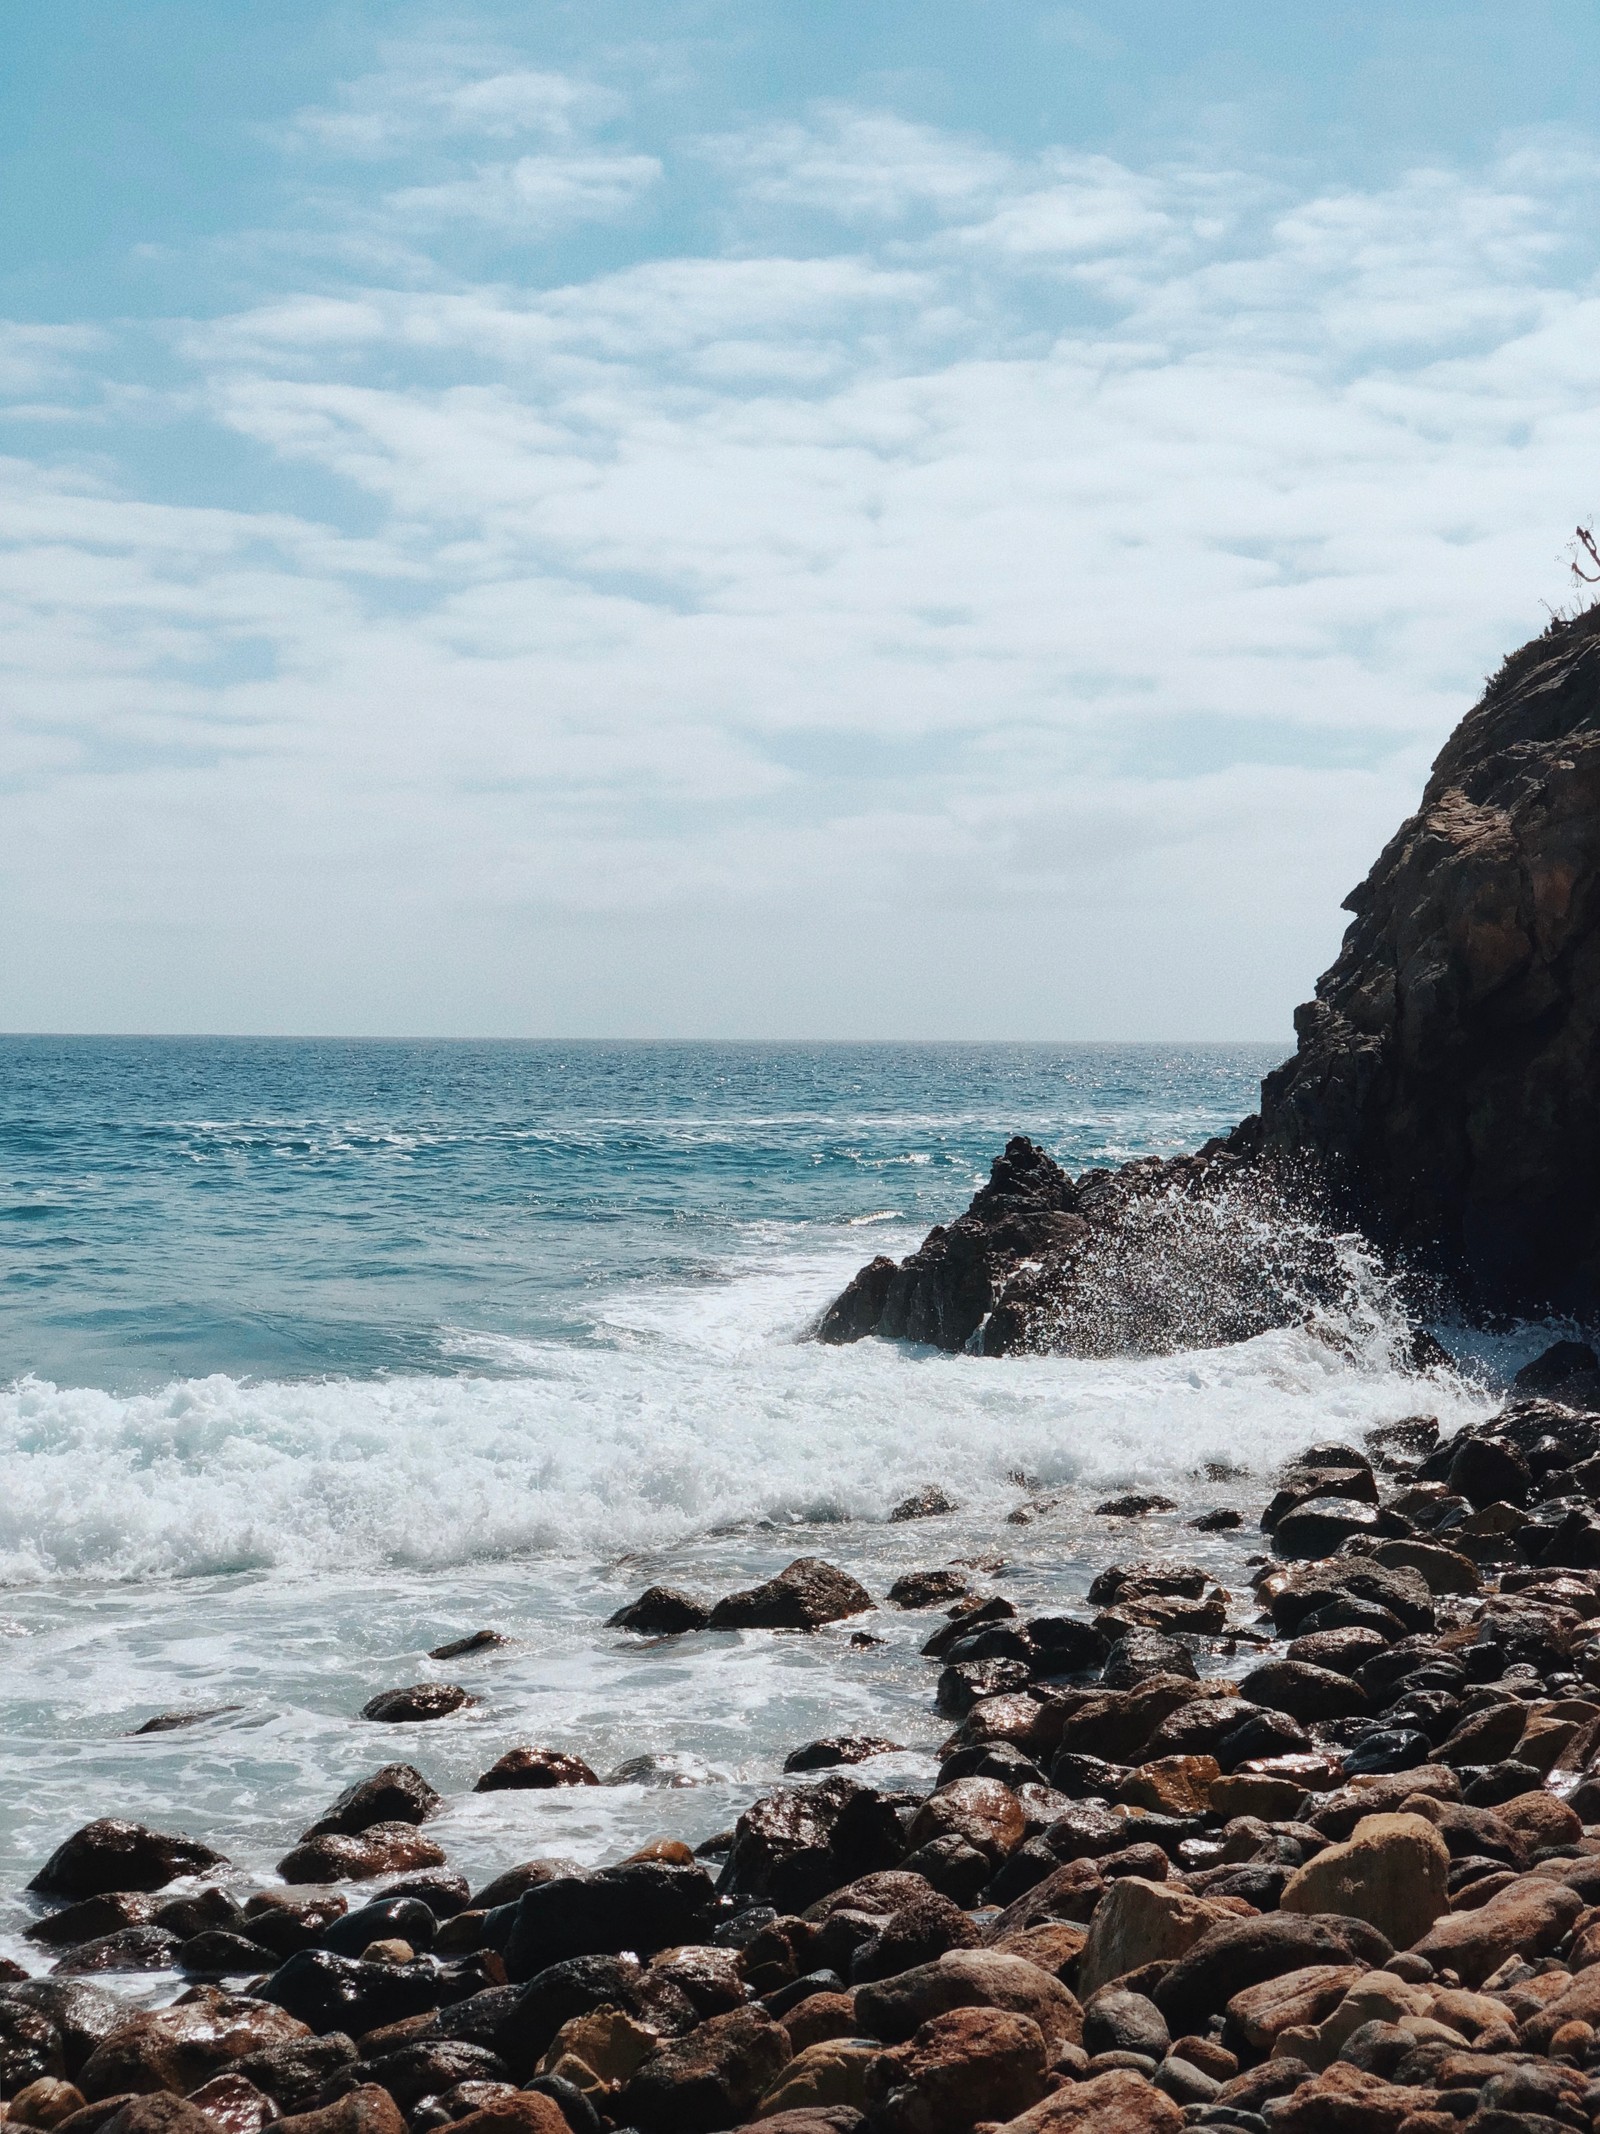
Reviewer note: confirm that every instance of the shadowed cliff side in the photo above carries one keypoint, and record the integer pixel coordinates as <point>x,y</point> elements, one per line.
<point>1447,1078</point>
<point>1444,1096</point>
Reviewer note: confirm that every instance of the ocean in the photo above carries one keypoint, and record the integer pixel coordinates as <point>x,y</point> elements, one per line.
<point>317,1354</point>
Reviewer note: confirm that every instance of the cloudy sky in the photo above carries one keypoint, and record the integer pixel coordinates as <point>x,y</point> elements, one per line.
<point>850,518</point>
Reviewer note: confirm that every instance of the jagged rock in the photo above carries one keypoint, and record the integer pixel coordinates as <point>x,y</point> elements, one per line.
<point>114,1855</point>
<point>928,1503</point>
<point>805,1594</point>
<point>661,1612</point>
<point>1160,1255</point>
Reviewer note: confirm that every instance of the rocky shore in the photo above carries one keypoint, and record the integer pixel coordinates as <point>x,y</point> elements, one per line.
<point>1440,1100</point>
<point>1317,1851</point>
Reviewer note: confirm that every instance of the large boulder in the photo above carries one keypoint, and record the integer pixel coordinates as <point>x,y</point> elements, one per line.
<point>795,1844</point>
<point>805,1594</point>
<point>971,2064</point>
<point>1393,1872</point>
<point>115,1855</point>
<point>712,2078</point>
<point>969,1978</point>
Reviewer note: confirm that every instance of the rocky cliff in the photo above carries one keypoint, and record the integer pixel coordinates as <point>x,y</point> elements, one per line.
<point>1447,1078</point>
<point>1444,1096</point>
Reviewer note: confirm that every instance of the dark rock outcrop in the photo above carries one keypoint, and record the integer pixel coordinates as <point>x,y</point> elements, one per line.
<point>1188,1252</point>
<point>1440,1099</point>
<point>1445,1073</point>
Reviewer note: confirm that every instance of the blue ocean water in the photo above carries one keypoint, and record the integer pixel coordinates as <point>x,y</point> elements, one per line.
<point>177,1207</point>
<point>316,1355</point>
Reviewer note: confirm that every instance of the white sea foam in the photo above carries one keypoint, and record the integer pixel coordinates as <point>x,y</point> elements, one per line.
<point>693,1408</point>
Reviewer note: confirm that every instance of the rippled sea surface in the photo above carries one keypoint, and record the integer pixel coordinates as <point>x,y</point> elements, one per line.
<point>316,1355</point>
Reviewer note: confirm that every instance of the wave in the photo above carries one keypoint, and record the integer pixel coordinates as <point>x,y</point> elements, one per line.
<point>699,1409</point>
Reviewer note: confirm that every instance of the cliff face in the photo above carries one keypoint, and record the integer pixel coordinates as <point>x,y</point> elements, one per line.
<point>1447,1078</point>
<point>1444,1096</point>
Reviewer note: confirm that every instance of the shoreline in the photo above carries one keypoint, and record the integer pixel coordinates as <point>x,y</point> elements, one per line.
<point>1015,1734</point>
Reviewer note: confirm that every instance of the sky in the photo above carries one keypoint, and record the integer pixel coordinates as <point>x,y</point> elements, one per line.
<point>967,519</point>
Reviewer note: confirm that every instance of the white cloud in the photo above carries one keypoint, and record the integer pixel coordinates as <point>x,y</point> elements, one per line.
<point>534,193</point>
<point>1078,580</point>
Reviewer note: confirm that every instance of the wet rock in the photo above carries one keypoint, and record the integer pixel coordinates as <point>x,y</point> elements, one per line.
<point>180,2047</point>
<point>642,1905</point>
<point>159,2115</point>
<point>984,1812</point>
<point>1220,1521</point>
<point>929,1589</point>
<point>30,2047</point>
<point>535,1770</point>
<point>233,2103</point>
<point>340,1993</point>
<point>79,2017</point>
<point>1244,1952</point>
<point>114,1855</point>
<point>174,1722</point>
<point>91,1918</point>
<point>928,1503</point>
<point>916,1932</point>
<point>477,1641</point>
<point>661,1612</point>
<point>796,1843</point>
<point>966,1683</point>
<point>397,1794</point>
<point>1318,1528</point>
<point>1142,1656</point>
<point>219,1954</point>
<point>1342,1651</point>
<point>968,2064</point>
<point>389,1918</point>
<point>1116,1724</point>
<point>1135,1505</point>
<point>1172,1785</point>
<point>713,2078</point>
<point>293,2074</point>
<point>954,1868</point>
<point>508,1886</point>
<point>1306,1693</point>
<point>1554,1366</point>
<point>417,1702</point>
<point>1316,1586</point>
<point>836,1749</point>
<point>803,1596</point>
<point>1061,1645</point>
<point>367,2110</point>
<point>283,1921</point>
<point>383,1849</point>
<point>1486,1472</point>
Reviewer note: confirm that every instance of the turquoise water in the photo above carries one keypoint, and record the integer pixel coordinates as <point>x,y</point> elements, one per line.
<point>173,1208</point>
<point>316,1355</point>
